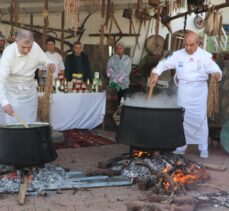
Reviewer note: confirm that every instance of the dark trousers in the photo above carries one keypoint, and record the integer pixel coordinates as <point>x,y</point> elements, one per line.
<point>122,93</point>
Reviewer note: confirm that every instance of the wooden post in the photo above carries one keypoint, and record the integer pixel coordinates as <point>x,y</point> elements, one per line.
<point>46,23</point>
<point>62,32</point>
<point>31,22</point>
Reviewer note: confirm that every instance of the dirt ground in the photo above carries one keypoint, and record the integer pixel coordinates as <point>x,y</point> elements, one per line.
<point>110,198</point>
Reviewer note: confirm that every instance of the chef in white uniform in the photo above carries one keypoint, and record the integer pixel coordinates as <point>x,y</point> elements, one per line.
<point>18,64</point>
<point>193,65</point>
<point>53,56</point>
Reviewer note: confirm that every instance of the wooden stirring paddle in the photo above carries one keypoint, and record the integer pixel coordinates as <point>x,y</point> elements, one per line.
<point>150,90</point>
<point>19,119</point>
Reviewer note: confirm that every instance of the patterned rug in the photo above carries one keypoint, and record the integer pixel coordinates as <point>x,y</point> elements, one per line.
<point>76,138</point>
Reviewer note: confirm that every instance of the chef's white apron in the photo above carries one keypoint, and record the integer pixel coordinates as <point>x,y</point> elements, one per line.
<point>193,97</point>
<point>21,94</point>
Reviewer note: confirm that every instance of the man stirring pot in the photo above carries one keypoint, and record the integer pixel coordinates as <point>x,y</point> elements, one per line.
<point>193,65</point>
<point>17,86</point>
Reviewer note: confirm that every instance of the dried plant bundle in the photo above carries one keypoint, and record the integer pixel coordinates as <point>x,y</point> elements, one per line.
<point>44,101</point>
<point>213,98</point>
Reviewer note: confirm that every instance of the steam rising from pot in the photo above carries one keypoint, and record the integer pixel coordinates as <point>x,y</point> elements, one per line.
<point>159,101</point>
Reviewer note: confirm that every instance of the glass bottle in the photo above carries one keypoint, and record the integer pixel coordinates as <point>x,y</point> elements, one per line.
<point>65,86</point>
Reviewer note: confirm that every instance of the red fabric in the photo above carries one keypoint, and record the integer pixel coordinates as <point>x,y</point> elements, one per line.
<point>81,138</point>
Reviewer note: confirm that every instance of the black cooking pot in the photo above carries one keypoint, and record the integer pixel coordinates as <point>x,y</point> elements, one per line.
<point>151,128</point>
<point>21,147</point>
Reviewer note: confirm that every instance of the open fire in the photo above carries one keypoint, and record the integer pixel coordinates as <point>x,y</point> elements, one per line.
<point>166,173</point>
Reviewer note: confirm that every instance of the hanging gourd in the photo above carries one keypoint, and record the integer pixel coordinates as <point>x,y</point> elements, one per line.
<point>71,8</point>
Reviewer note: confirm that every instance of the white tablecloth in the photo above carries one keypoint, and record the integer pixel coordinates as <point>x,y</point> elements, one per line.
<point>75,110</point>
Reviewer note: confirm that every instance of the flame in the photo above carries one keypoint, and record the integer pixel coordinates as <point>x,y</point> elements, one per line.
<point>140,154</point>
<point>167,169</point>
<point>183,179</point>
<point>191,175</point>
<point>183,174</point>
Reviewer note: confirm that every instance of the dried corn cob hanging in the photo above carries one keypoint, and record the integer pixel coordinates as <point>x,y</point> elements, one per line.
<point>71,8</point>
<point>44,101</point>
<point>213,98</point>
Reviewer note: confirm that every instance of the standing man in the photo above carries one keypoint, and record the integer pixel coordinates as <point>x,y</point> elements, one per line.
<point>193,65</point>
<point>2,43</point>
<point>78,62</point>
<point>55,57</point>
<point>17,86</point>
<point>118,70</point>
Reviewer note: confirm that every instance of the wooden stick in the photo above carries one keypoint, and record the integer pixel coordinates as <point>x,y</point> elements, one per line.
<point>214,167</point>
<point>150,91</point>
<point>19,119</point>
<point>22,191</point>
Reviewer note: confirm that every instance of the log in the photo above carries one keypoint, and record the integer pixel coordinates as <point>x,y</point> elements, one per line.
<point>163,175</point>
<point>107,163</point>
<point>152,197</point>
<point>107,172</point>
<point>147,206</point>
<point>151,206</point>
<point>22,190</point>
<point>214,167</point>
<point>165,199</point>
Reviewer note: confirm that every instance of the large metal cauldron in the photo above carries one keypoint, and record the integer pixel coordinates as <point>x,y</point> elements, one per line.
<point>24,147</point>
<point>151,128</point>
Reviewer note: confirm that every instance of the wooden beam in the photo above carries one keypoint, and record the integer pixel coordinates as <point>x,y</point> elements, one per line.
<point>168,19</point>
<point>31,22</point>
<point>62,32</point>
<point>36,26</point>
<point>46,23</point>
<point>114,35</point>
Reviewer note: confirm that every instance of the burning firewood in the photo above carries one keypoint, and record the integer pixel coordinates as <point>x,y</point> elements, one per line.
<point>164,177</point>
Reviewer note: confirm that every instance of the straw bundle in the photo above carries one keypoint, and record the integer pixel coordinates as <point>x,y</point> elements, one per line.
<point>44,101</point>
<point>213,98</point>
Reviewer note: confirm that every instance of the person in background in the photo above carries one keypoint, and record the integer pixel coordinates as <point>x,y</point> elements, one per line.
<point>53,56</point>
<point>2,43</point>
<point>18,64</point>
<point>118,70</point>
<point>193,65</point>
<point>78,62</point>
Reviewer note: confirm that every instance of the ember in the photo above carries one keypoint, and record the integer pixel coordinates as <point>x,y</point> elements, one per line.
<point>53,177</point>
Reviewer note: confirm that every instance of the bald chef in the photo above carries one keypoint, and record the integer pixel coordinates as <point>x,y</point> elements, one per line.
<point>193,65</point>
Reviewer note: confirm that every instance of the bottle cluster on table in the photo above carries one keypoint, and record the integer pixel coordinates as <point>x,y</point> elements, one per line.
<point>76,85</point>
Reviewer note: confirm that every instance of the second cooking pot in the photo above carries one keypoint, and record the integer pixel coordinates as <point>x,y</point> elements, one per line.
<point>151,128</point>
